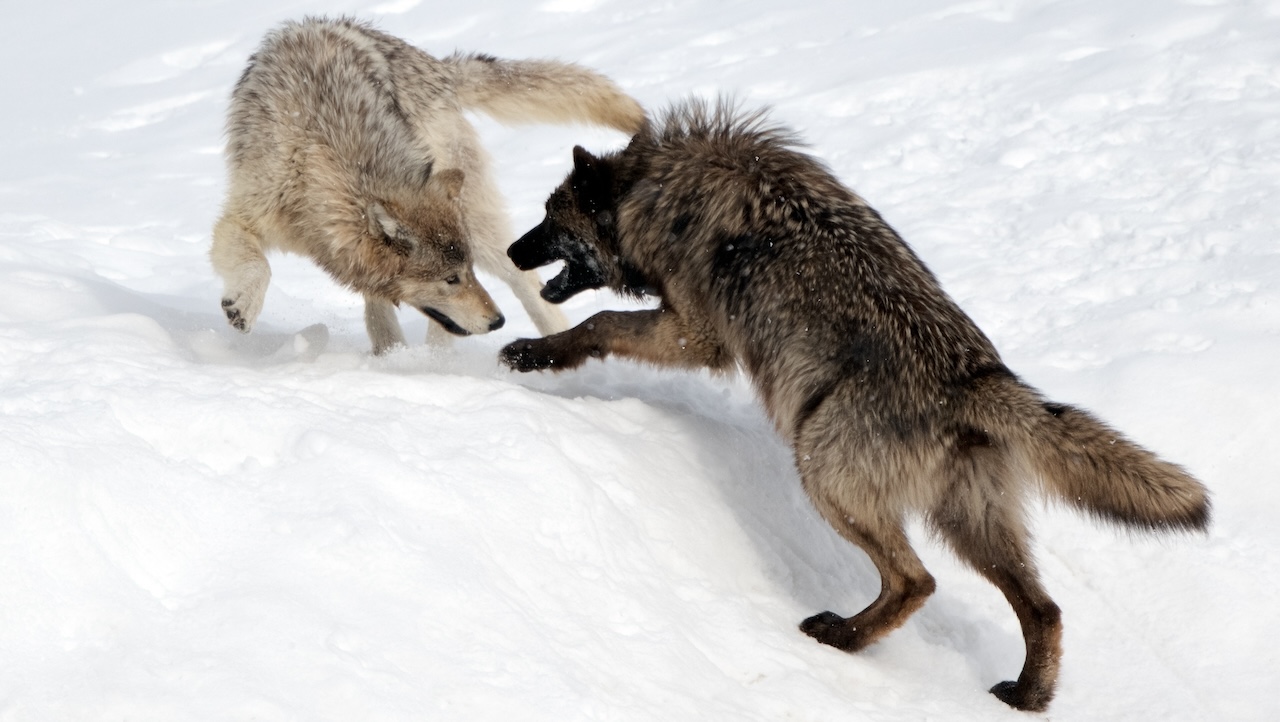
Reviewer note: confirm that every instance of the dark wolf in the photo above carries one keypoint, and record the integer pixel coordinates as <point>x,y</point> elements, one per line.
<point>351,147</point>
<point>893,400</point>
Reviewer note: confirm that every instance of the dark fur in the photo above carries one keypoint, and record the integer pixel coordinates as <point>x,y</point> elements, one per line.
<point>894,401</point>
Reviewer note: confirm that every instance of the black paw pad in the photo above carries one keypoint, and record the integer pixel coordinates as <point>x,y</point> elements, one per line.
<point>526,355</point>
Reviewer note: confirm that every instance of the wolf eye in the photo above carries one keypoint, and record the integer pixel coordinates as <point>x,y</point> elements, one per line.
<point>453,280</point>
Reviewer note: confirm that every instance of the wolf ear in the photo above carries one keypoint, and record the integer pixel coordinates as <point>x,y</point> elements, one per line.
<point>384,227</point>
<point>584,164</point>
<point>592,181</point>
<point>381,223</point>
<point>449,181</point>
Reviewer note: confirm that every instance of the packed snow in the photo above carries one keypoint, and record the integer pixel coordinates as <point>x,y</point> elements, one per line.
<point>200,525</point>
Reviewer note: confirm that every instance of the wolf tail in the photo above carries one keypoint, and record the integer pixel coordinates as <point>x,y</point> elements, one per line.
<point>546,91</point>
<point>1091,467</point>
<point>1095,469</point>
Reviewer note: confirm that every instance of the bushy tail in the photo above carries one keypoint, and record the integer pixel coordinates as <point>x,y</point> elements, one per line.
<point>543,91</point>
<point>1098,471</point>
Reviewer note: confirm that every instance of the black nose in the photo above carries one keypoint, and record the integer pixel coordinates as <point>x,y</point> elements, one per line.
<point>533,249</point>
<point>497,323</point>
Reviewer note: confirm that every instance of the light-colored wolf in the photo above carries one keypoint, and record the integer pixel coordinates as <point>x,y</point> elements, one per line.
<point>349,146</point>
<point>893,400</point>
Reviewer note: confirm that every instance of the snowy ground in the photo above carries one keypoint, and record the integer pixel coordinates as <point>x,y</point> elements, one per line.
<point>196,525</point>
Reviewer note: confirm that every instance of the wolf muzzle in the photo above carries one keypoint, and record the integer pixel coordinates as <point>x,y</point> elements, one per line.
<point>544,244</point>
<point>533,249</point>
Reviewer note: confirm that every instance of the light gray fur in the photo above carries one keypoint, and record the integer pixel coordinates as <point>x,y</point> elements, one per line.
<point>333,120</point>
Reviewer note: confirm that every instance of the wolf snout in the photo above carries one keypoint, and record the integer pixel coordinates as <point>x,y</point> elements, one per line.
<point>497,323</point>
<point>532,250</point>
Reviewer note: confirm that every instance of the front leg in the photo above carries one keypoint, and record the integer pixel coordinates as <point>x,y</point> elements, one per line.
<point>237,256</point>
<point>660,336</point>
<point>381,323</point>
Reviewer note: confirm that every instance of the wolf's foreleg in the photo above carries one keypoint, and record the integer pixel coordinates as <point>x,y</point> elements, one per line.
<point>381,323</point>
<point>237,256</point>
<point>660,336</point>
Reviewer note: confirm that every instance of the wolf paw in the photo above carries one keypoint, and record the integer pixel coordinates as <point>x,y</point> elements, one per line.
<point>833,630</point>
<point>1028,700</point>
<point>240,314</point>
<point>528,354</point>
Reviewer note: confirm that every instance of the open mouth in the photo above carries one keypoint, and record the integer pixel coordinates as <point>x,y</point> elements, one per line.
<point>445,321</point>
<point>581,272</point>
<point>560,288</point>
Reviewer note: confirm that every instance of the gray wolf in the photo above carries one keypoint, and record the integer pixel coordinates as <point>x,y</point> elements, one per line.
<point>349,146</point>
<point>893,400</point>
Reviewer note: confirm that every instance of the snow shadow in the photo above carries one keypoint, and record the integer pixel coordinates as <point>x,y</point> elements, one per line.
<point>752,471</point>
<point>744,462</point>
<point>204,337</point>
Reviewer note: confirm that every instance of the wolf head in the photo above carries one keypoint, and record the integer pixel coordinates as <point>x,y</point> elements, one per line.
<point>426,243</point>
<point>580,229</point>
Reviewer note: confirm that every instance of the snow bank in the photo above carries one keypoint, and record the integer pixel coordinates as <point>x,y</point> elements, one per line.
<point>199,525</point>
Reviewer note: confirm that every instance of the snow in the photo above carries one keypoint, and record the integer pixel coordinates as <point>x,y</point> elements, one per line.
<point>199,525</point>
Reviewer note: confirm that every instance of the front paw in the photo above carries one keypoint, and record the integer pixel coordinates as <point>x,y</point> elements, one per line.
<point>529,354</point>
<point>241,311</point>
<point>235,316</point>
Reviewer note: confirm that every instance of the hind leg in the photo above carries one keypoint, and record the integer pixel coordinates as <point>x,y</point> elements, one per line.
<point>993,540</point>
<point>904,582</point>
<point>237,256</point>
